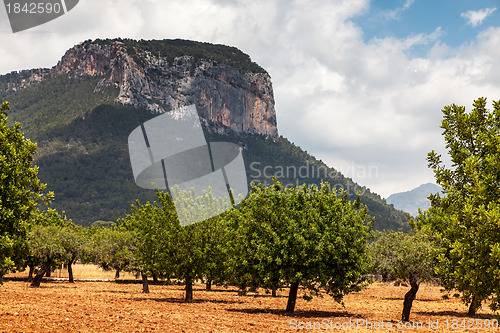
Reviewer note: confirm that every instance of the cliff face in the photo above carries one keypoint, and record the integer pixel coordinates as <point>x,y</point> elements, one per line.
<point>237,99</point>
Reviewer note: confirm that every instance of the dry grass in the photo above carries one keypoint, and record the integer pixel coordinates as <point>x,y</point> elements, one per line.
<point>112,307</point>
<point>84,272</point>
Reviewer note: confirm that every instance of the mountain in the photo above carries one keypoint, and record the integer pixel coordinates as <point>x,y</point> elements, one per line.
<point>81,111</point>
<point>411,201</point>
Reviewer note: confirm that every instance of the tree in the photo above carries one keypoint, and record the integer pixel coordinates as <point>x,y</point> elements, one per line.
<point>20,193</point>
<point>410,257</point>
<point>65,244</point>
<point>163,246</point>
<point>309,237</point>
<point>45,243</point>
<point>49,217</point>
<point>110,248</point>
<point>214,250</point>
<point>151,227</point>
<point>464,221</point>
<point>73,241</point>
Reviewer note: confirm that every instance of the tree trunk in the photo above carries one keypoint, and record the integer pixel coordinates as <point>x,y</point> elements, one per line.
<point>70,271</point>
<point>292,297</point>
<point>38,277</point>
<point>409,297</point>
<point>155,278</point>
<point>117,274</point>
<point>30,274</point>
<point>273,292</point>
<point>208,285</point>
<point>145,285</point>
<point>243,290</point>
<point>48,273</point>
<point>189,289</point>
<point>474,305</point>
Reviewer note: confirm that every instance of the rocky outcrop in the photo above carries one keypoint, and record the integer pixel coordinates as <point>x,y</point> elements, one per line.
<point>23,79</point>
<point>239,100</point>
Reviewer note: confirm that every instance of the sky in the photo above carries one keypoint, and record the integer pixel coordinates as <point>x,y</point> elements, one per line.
<point>359,84</point>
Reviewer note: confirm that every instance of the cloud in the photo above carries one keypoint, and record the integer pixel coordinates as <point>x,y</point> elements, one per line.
<point>476,18</point>
<point>395,14</point>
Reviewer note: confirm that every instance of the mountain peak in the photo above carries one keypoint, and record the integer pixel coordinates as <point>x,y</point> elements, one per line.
<point>411,201</point>
<point>229,90</point>
<point>160,75</point>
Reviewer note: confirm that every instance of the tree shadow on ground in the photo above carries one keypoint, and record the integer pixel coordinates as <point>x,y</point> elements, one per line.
<point>182,301</point>
<point>217,290</point>
<point>234,291</point>
<point>456,314</point>
<point>55,285</point>
<point>114,291</point>
<point>264,296</point>
<point>299,313</point>
<point>416,299</point>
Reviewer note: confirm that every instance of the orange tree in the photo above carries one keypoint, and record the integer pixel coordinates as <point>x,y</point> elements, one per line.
<point>20,193</point>
<point>465,221</point>
<point>409,256</point>
<point>164,248</point>
<point>304,236</point>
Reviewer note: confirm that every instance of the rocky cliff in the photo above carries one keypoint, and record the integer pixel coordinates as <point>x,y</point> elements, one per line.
<point>240,100</point>
<point>227,90</point>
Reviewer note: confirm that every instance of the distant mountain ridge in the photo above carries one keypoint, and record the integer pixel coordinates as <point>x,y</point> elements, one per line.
<point>411,201</point>
<point>81,111</point>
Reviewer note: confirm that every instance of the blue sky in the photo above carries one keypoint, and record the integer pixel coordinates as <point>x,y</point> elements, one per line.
<point>358,83</point>
<point>457,21</point>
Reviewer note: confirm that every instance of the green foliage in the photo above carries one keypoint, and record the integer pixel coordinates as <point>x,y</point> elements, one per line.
<point>173,48</point>
<point>20,192</point>
<point>55,103</point>
<point>164,248</point>
<point>54,240</point>
<point>213,235</point>
<point>73,241</point>
<point>398,255</point>
<point>274,153</point>
<point>110,248</point>
<point>311,237</point>
<point>45,243</point>
<point>466,220</point>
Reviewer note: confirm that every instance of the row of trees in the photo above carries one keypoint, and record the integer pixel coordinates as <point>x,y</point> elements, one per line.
<point>255,246</point>
<point>313,238</point>
<point>308,237</point>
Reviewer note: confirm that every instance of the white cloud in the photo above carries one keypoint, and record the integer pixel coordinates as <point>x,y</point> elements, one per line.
<point>476,17</point>
<point>347,101</point>
<point>395,14</point>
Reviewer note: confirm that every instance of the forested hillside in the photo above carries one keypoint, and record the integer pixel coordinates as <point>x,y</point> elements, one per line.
<point>82,134</point>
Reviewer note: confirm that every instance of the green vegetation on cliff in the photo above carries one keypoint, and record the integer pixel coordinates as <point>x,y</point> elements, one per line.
<point>173,48</point>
